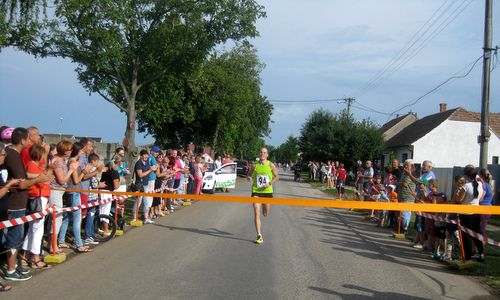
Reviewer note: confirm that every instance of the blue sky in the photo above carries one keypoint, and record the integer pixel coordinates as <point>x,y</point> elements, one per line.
<point>312,50</point>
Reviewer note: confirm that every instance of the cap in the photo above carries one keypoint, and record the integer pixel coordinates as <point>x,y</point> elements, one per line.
<point>7,133</point>
<point>155,149</point>
<point>424,181</point>
<point>391,186</point>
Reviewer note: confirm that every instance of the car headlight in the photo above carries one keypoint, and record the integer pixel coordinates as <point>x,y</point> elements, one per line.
<point>209,177</point>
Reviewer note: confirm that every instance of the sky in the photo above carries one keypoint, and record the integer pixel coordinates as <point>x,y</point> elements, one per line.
<point>313,50</point>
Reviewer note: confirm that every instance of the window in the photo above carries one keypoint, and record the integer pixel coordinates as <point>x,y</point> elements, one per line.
<point>495,160</point>
<point>405,157</point>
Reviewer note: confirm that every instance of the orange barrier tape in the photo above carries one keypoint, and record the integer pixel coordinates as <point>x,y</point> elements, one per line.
<point>439,208</point>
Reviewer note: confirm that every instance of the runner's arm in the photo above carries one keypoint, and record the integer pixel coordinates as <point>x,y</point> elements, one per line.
<point>276,175</point>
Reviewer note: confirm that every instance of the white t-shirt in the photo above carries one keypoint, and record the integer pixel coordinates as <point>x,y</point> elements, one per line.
<point>469,198</point>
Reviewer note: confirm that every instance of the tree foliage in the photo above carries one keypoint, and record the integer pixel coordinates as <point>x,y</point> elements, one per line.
<point>325,136</point>
<point>288,151</point>
<point>219,104</point>
<point>120,47</point>
<point>20,20</point>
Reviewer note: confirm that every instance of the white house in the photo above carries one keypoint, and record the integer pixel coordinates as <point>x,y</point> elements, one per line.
<point>447,138</point>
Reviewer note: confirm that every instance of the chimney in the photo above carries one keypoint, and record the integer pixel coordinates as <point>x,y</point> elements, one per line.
<point>442,107</point>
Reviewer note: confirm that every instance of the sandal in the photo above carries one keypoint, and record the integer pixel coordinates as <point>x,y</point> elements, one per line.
<point>5,287</point>
<point>36,265</point>
<point>63,246</point>
<point>83,249</point>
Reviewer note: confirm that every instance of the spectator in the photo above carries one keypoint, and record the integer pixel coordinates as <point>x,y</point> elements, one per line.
<point>4,189</point>
<point>341,178</point>
<point>487,200</point>
<point>393,198</point>
<point>439,229</point>
<point>89,237</point>
<point>218,162</point>
<point>152,161</point>
<point>110,181</point>
<point>38,198</point>
<point>33,139</point>
<point>17,202</point>
<point>199,168</point>
<point>62,173</point>
<point>406,192</point>
<point>142,170</point>
<point>74,199</point>
<point>359,181</point>
<point>122,169</point>
<point>420,197</point>
<point>470,194</point>
<point>367,178</point>
<point>396,171</point>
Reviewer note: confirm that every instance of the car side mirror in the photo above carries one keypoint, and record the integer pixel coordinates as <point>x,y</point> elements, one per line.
<point>218,172</point>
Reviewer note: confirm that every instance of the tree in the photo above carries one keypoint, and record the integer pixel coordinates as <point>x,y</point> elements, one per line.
<point>121,47</point>
<point>325,136</point>
<point>19,22</point>
<point>289,150</point>
<point>218,104</point>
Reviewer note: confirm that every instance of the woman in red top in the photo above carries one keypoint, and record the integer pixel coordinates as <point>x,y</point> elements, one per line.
<point>341,177</point>
<point>38,197</point>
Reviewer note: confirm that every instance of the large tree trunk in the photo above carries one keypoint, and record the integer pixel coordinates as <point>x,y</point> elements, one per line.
<point>129,143</point>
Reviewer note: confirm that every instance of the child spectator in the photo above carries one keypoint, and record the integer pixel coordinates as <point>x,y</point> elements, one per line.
<point>439,229</point>
<point>374,191</point>
<point>420,220</point>
<point>393,198</point>
<point>89,237</point>
<point>341,177</point>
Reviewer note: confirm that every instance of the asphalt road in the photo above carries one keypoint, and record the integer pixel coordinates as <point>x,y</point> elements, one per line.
<point>206,251</point>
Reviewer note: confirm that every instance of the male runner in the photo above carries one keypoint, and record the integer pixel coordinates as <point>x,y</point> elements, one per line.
<point>264,175</point>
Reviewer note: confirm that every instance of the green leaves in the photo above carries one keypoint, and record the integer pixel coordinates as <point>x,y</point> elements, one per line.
<point>325,136</point>
<point>219,104</point>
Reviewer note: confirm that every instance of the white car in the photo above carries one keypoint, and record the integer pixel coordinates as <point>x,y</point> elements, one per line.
<point>221,178</point>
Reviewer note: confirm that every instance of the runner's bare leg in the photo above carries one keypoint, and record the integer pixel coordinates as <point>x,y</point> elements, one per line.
<point>256,209</point>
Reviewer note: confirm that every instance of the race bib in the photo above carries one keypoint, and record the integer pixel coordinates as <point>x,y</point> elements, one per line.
<point>262,180</point>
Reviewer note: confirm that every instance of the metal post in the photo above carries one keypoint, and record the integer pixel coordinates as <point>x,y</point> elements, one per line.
<point>485,94</point>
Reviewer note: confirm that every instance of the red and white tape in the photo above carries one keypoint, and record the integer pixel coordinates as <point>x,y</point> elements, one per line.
<point>482,237</point>
<point>41,214</point>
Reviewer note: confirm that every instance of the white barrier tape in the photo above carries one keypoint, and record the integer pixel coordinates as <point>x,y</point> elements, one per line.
<point>482,237</point>
<point>41,214</point>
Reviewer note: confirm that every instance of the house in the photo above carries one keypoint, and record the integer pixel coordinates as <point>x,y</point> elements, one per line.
<point>447,138</point>
<point>394,126</point>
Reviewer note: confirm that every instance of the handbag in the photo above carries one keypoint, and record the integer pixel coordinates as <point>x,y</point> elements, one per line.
<point>34,205</point>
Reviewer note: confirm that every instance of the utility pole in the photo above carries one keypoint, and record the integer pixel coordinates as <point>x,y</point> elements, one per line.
<point>485,94</point>
<point>349,102</point>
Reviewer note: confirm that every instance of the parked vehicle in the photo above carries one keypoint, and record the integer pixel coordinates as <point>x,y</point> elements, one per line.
<point>221,178</point>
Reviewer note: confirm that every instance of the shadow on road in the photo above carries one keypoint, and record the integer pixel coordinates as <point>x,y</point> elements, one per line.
<point>210,232</point>
<point>374,294</point>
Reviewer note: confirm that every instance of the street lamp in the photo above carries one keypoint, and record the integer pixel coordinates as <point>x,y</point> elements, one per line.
<point>60,132</point>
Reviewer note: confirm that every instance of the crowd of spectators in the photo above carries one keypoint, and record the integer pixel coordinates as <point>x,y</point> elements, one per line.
<point>401,184</point>
<point>35,176</point>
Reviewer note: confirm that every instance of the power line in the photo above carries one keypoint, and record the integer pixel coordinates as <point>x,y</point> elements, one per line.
<point>400,60</point>
<point>438,86</point>
<point>305,101</point>
<point>426,41</point>
<point>405,48</point>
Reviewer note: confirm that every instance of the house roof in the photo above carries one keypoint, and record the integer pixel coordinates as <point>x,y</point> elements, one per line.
<point>392,123</point>
<point>420,128</point>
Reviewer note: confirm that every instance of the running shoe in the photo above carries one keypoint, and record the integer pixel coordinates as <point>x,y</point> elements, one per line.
<point>259,239</point>
<point>16,276</point>
<point>418,246</point>
<point>22,269</point>
<point>90,241</point>
<point>149,221</point>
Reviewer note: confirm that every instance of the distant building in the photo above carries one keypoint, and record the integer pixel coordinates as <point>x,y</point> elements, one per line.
<point>104,150</point>
<point>447,138</point>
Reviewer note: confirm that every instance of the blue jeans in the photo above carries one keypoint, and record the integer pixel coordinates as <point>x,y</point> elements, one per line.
<point>89,221</point>
<point>405,222</point>
<point>77,222</point>
<point>15,234</point>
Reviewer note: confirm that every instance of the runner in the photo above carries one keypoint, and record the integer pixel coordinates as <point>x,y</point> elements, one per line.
<point>264,175</point>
